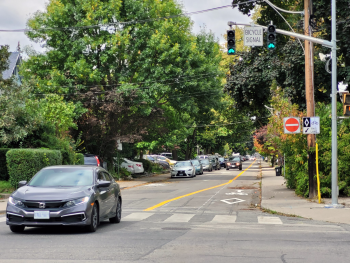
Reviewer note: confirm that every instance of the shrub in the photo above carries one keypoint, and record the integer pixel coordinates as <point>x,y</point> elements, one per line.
<point>23,164</point>
<point>147,165</point>
<point>79,158</point>
<point>3,168</point>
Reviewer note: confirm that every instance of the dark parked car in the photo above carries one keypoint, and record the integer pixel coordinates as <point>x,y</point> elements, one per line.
<point>207,166</point>
<point>234,162</point>
<point>222,162</point>
<point>92,159</point>
<point>215,163</point>
<point>78,195</point>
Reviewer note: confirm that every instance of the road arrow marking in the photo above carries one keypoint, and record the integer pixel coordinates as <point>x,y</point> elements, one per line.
<point>235,201</point>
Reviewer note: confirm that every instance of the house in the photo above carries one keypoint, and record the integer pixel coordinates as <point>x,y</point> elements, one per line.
<point>15,60</point>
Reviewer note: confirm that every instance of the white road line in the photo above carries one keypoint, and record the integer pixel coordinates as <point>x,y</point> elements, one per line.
<point>180,218</point>
<point>2,219</point>
<point>269,220</point>
<point>137,216</point>
<point>224,219</point>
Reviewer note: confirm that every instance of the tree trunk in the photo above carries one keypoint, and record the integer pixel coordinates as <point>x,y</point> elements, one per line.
<point>174,153</point>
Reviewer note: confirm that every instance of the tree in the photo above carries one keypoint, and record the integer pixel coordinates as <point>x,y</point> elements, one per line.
<point>122,73</point>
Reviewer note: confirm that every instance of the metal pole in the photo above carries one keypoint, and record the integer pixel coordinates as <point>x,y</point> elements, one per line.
<point>334,110</point>
<point>284,165</point>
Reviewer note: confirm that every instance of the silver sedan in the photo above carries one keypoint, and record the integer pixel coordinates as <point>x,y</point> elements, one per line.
<point>183,169</point>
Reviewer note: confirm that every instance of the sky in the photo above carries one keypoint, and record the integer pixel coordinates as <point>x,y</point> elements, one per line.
<point>15,13</point>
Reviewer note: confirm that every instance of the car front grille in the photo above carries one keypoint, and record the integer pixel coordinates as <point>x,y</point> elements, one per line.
<point>48,204</point>
<point>65,219</point>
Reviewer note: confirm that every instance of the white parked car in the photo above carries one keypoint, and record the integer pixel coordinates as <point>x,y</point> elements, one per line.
<point>138,166</point>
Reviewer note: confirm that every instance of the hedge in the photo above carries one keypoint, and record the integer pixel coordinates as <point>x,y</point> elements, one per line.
<point>3,167</point>
<point>79,158</point>
<point>23,164</point>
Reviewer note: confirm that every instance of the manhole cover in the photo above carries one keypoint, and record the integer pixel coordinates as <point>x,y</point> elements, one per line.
<point>176,228</point>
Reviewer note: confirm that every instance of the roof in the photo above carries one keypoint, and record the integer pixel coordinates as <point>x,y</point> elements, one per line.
<point>13,58</point>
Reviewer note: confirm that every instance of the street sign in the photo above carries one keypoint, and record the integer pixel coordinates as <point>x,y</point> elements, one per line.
<point>291,125</point>
<point>253,36</point>
<point>311,125</point>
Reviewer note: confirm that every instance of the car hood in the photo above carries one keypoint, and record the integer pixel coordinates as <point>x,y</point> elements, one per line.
<point>50,193</point>
<point>181,168</point>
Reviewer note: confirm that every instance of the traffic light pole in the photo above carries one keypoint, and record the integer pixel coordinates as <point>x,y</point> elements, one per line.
<point>333,45</point>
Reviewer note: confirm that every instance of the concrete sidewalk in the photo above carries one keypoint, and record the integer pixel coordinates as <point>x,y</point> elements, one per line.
<point>123,185</point>
<point>277,197</point>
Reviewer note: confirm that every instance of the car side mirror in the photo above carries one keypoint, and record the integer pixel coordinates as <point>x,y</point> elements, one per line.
<point>21,183</point>
<point>104,183</point>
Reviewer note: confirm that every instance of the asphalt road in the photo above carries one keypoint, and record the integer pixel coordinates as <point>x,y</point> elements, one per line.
<point>214,217</point>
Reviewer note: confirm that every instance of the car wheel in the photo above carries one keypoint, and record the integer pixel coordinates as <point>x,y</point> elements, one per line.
<point>17,229</point>
<point>227,169</point>
<point>240,168</point>
<point>118,216</point>
<point>94,219</point>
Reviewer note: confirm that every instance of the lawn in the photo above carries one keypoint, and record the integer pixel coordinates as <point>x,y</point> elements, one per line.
<point>6,187</point>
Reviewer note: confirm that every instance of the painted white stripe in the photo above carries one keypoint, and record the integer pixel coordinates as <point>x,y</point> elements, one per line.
<point>137,216</point>
<point>2,219</point>
<point>292,124</point>
<point>269,220</point>
<point>224,219</point>
<point>180,218</point>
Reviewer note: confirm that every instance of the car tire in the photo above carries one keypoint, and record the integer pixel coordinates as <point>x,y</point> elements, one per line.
<point>118,216</point>
<point>17,229</point>
<point>94,219</point>
<point>240,168</point>
<point>227,169</point>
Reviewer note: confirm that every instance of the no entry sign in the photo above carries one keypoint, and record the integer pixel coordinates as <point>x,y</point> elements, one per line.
<point>291,125</point>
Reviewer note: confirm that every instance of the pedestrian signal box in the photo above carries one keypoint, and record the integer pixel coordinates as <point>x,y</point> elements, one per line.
<point>346,104</point>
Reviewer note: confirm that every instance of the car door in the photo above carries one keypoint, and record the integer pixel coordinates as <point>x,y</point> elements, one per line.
<point>103,194</point>
<point>111,197</point>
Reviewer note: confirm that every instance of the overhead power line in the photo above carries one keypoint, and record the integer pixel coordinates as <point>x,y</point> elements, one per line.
<point>126,22</point>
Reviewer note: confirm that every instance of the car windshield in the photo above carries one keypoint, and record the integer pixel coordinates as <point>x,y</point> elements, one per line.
<point>195,162</point>
<point>150,158</point>
<point>212,160</point>
<point>221,159</point>
<point>234,159</point>
<point>205,161</point>
<point>180,164</point>
<point>90,160</point>
<point>62,177</point>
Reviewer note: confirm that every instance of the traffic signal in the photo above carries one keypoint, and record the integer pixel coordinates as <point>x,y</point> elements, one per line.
<point>231,42</point>
<point>346,104</point>
<point>271,37</point>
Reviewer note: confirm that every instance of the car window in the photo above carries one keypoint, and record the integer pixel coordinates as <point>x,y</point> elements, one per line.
<point>179,164</point>
<point>235,159</point>
<point>62,177</point>
<point>91,160</point>
<point>101,177</point>
<point>107,176</point>
<point>205,161</point>
<point>221,159</point>
<point>195,162</point>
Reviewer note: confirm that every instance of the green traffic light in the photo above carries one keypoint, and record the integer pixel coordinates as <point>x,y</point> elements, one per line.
<point>271,46</point>
<point>231,51</point>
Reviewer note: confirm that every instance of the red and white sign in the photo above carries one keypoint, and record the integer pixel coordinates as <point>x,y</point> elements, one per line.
<point>291,125</point>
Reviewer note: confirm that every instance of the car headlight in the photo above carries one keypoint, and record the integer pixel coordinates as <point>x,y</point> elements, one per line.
<point>16,202</point>
<point>76,201</point>
<point>237,163</point>
<point>228,163</point>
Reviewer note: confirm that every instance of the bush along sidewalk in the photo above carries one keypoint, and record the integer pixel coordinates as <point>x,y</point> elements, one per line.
<point>23,164</point>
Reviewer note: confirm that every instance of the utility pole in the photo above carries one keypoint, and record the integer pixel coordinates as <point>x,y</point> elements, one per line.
<point>309,94</point>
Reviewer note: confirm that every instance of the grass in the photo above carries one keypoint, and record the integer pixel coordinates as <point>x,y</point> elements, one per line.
<point>6,187</point>
<point>273,212</point>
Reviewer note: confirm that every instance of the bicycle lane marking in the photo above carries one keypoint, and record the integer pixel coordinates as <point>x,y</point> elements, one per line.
<point>196,192</point>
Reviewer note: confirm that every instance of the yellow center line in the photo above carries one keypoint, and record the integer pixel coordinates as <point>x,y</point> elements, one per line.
<point>199,191</point>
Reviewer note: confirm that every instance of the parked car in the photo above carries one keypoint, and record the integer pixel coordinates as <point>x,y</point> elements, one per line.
<point>159,161</point>
<point>222,162</point>
<point>138,166</point>
<point>234,162</point>
<point>198,166</point>
<point>183,169</point>
<point>215,163</point>
<point>167,155</point>
<point>202,157</point>
<point>163,158</point>
<point>92,159</point>
<point>65,195</point>
<point>207,166</point>
<point>149,158</point>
